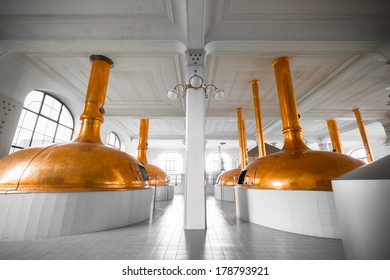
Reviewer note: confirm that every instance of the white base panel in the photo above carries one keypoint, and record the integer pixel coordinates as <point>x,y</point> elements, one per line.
<point>210,189</point>
<point>28,216</point>
<point>179,189</point>
<point>164,193</point>
<point>225,193</point>
<point>364,214</point>
<point>304,212</point>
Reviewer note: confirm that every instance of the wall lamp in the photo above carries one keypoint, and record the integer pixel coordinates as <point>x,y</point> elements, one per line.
<point>195,82</point>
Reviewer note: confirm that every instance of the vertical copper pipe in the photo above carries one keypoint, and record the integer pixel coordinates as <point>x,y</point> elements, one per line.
<point>334,136</point>
<point>143,140</point>
<point>240,140</point>
<point>243,133</point>
<point>363,134</point>
<point>292,130</point>
<point>259,124</point>
<point>92,116</point>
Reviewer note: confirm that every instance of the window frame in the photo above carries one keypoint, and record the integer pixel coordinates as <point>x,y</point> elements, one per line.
<point>39,115</point>
<point>116,139</point>
<point>364,158</point>
<point>212,159</point>
<point>176,162</point>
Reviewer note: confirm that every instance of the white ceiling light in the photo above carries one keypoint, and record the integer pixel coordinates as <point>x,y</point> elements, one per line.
<point>218,94</point>
<point>195,82</point>
<point>172,94</point>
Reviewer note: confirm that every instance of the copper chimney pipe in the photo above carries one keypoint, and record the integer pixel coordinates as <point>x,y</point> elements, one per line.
<point>157,176</point>
<point>243,133</point>
<point>143,141</point>
<point>363,134</point>
<point>242,139</point>
<point>334,136</point>
<point>292,130</point>
<point>92,116</point>
<point>259,124</point>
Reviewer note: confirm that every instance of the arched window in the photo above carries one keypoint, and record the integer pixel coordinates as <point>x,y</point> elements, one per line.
<point>44,120</point>
<point>170,162</point>
<point>113,140</point>
<point>213,162</point>
<point>359,153</point>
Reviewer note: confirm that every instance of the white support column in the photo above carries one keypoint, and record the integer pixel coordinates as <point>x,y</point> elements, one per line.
<point>195,192</point>
<point>195,199</point>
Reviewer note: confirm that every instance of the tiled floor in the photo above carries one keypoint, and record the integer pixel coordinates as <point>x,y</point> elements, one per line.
<point>163,237</point>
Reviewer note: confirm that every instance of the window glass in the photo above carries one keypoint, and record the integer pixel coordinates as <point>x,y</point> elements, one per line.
<point>214,164</point>
<point>51,108</point>
<point>113,141</point>
<point>33,101</point>
<point>170,162</point>
<point>41,125</point>
<point>359,153</point>
<point>39,122</point>
<point>28,120</point>
<point>63,133</point>
<point>23,137</point>
<point>66,118</point>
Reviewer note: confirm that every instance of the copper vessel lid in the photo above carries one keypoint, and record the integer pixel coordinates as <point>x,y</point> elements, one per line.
<point>82,165</point>
<point>157,176</point>
<point>228,178</point>
<point>295,167</point>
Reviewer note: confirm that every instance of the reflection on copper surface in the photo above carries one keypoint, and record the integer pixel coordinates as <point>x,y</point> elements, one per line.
<point>228,178</point>
<point>157,176</point>
<point>79,166</point>
<point>295,167</point>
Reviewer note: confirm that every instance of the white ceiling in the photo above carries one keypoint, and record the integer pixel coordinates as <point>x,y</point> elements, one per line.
<point>338,52</point>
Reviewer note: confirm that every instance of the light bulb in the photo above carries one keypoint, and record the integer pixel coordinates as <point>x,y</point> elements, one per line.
<point>172,94</point>
<point>218,94</point>
<point>196,81</point>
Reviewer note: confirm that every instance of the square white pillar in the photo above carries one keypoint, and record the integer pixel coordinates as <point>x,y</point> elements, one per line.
<point>195,199</point>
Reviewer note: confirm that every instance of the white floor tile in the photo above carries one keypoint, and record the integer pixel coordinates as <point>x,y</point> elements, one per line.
<point>163,237</point>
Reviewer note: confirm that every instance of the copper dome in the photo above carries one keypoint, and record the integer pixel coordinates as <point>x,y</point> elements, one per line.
<point>82,165</point>
<point>157,176</point>
<point>228,178</point>
<point>295,167</point>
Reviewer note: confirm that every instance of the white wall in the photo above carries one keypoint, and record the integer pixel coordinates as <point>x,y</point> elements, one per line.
<point>233,152</point>
<point>376,147</point>
<point>10,110</point>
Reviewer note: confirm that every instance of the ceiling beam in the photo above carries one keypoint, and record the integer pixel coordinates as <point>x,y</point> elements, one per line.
<point>195,24</point>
